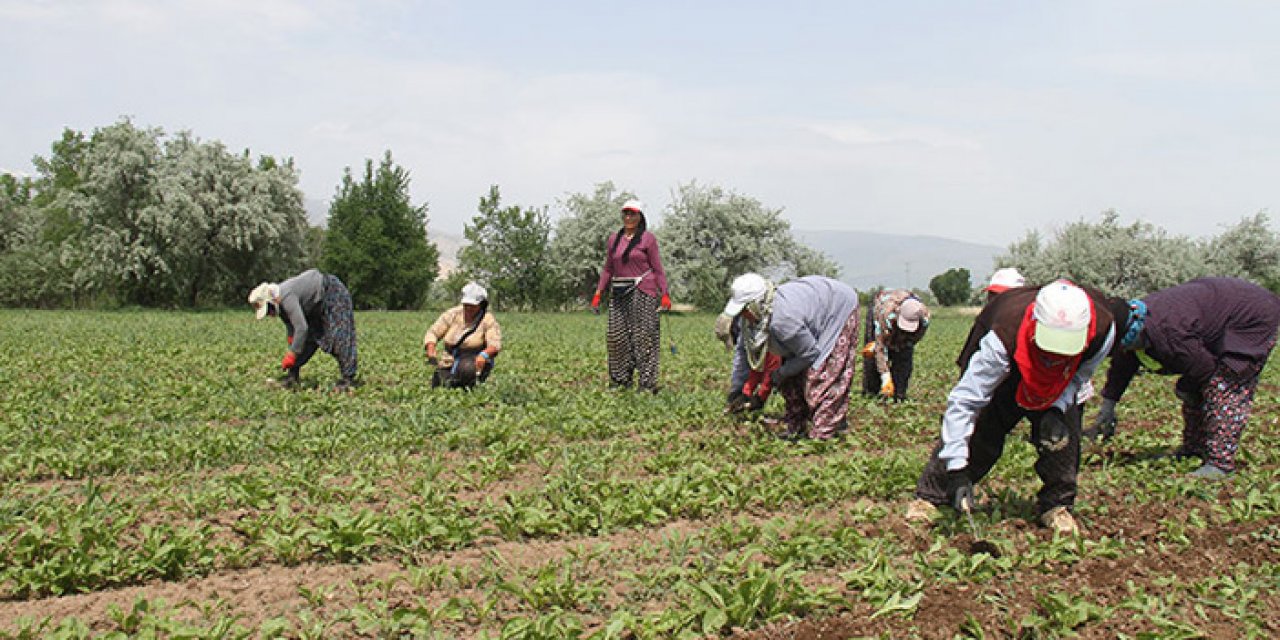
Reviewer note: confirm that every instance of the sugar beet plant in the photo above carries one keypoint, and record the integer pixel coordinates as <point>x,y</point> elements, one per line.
<point>151,485</point>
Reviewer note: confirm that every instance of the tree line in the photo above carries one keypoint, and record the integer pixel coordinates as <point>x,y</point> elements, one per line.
<point>128,215</point>
<point>1129,260</point>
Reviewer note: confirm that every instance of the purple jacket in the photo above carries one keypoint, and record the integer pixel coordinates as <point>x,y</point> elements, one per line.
<point>643,258</point>
<point>1196,328</point>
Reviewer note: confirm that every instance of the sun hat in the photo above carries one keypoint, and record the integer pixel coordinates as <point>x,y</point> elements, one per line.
<point>909,314</point>
<point>746,288</point>
<point>1062,313</point>
<point>260,297</point>
<point>473,293</point>
<point>633,205</point>
<point>1004,279</point>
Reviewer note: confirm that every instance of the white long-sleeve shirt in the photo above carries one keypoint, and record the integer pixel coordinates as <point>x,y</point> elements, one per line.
<point>990,366</point>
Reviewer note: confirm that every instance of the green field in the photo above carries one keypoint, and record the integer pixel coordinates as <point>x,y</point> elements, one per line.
<point>153,485</point>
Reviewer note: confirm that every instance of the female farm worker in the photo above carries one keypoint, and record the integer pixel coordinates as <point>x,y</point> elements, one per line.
<point>896,321</point>
<point>637,287</point>
<point>812,324</point>
<point>472,340</point>
<point>1216,335</point>
<point>317,314</point>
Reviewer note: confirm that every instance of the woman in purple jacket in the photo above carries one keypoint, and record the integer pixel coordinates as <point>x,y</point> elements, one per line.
<point>1216,333</point>
<point>633,274</point>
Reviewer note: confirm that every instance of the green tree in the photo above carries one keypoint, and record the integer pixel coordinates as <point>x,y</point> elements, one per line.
<point>234,221</point>
<point>1120,260</point>
<point>952,287</point>
<point>377,241</point>
<point>1249,250</point>
<point>121,227</point>
<point>712,236</point>
<point>510,254</point>
<point>578,246</point>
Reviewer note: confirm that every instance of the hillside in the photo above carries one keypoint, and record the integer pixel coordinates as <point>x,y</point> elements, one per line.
<point>868,259</point>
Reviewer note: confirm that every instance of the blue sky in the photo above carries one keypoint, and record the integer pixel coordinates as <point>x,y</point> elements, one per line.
<point>970,120</point>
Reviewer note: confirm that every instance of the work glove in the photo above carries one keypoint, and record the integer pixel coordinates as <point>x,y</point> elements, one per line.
<point>290,359</point>
<point>1190,399</point>
<point>665,303</point>
<point>1054,432</point>
<point>886,385</point>
<point>960,490</point>
<point>1104,424</point>
<point>869,351</point>
<point>735,403</point>
<point>595,302</point>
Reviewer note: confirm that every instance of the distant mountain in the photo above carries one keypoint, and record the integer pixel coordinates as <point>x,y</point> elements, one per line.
<point>449,246</point>
<point>868,260</point>
<point>317,211</point>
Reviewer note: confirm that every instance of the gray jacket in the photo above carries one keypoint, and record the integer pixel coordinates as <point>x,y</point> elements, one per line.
<point>808,315</point>
<point>301,301</point>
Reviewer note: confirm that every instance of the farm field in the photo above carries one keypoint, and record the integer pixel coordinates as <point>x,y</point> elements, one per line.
<point>151,484</point>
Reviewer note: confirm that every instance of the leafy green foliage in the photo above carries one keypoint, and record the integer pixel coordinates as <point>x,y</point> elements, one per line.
<point>376,241</point>
<point>951,287</point>
<point>1127,261</point>
<point>712,236</point>
<point>543,505</point>
<point>1249,250</point>
<point>131,216</point>
<point>509,254</point>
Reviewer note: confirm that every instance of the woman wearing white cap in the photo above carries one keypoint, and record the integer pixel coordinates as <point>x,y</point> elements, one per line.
<point>1001,281</point>
<point>896,321</point>
<point>472,339</point>
<point>317,313</point>
<point>637,287</point>
<point>1037,348</point>
<point>812,323</point>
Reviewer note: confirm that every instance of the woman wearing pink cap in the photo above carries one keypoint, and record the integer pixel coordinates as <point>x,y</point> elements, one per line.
<point>896,321</point>
<point>1038,347</point>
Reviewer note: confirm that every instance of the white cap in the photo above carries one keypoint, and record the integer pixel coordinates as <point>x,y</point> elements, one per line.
<point>1004,279</point>
<point>259,297</point>
<point>633,204</point>
<point>473,293</point>
<point>909,314</point>
<point>746,288</point>
<point>1062,313</point>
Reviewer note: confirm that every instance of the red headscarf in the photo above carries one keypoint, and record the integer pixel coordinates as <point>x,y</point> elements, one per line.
<point>1044,374</point>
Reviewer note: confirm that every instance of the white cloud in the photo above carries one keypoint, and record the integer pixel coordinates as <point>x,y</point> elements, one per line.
<point>859,134</point>
<point>1193,67</point>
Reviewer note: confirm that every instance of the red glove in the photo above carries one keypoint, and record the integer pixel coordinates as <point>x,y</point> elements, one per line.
<point>289,360</point>
<point>666,302</point>
<point>595,301</point>
<point>289,339</point>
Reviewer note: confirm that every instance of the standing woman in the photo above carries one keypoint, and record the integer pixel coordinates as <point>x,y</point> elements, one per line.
<point>317,313</point>
<point>812,324</point>
<point>633,273</point>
